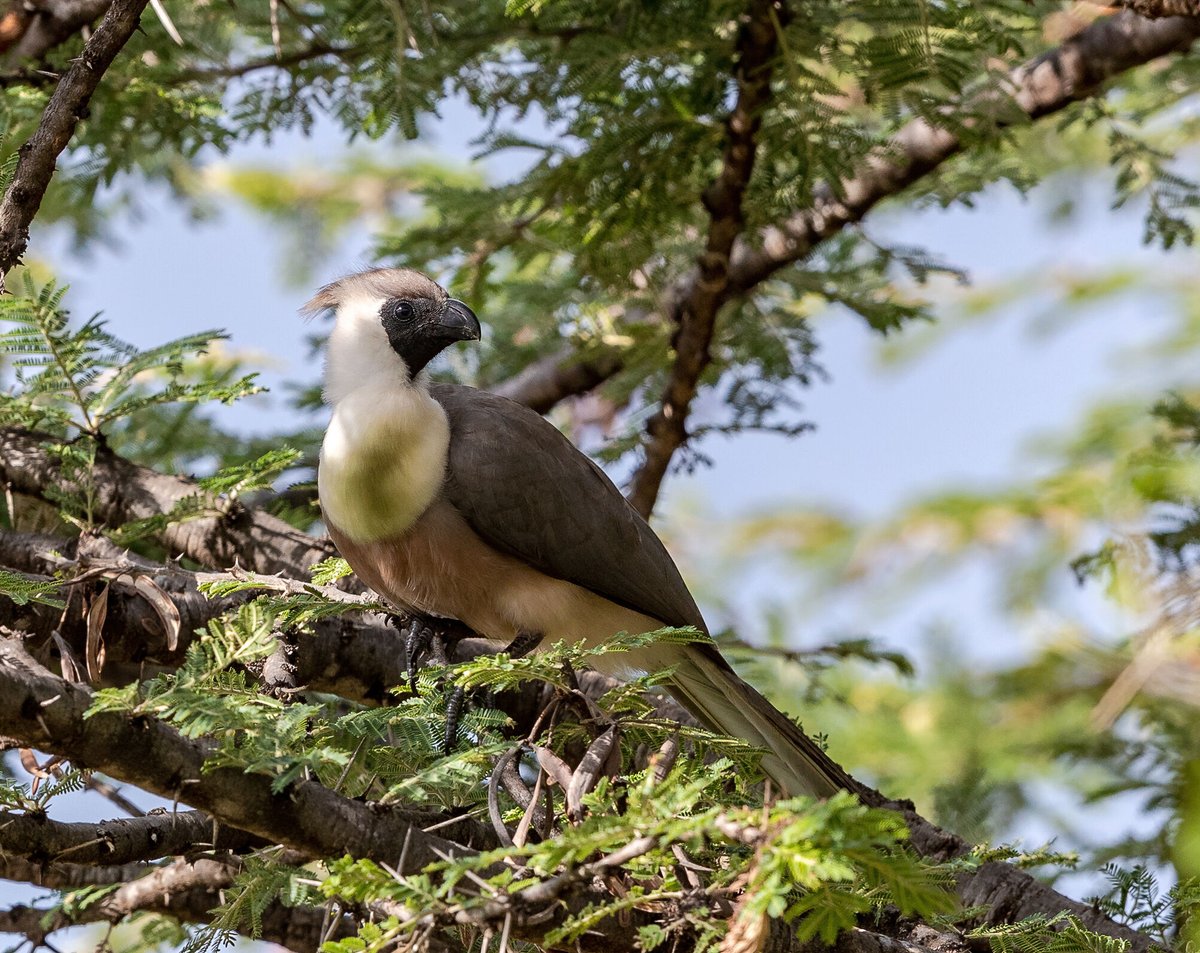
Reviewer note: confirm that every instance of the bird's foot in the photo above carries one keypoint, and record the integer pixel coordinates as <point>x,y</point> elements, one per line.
<point>426,639</point>
<point>429,639</point>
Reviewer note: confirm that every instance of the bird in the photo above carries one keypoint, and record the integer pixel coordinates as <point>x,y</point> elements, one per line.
<point>456,503</point>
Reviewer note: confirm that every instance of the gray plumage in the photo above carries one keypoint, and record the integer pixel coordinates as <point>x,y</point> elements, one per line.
<point>456,502</point>
<point>527,490</point>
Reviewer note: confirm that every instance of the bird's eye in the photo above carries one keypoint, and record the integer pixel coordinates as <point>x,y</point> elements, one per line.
<point>401,309</point>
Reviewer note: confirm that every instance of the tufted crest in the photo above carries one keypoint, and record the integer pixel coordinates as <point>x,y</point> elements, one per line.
<point>374,283</point>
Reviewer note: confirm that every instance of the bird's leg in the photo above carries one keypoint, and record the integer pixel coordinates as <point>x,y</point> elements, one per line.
<point>519,647</point>
<point>454,707</point>
<point>428,636</point>
<point>420,635</point>
<point>425,635</point>
<point>416,641</point>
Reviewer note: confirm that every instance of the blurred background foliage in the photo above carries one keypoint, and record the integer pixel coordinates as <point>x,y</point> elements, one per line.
<point>1084,726</point>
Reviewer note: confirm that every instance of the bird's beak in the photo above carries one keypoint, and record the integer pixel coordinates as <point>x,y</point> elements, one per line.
<point>458,322</point>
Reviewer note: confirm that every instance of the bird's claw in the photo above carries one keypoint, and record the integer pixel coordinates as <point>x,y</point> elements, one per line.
<point>416,640</point>
<point>423,636</point>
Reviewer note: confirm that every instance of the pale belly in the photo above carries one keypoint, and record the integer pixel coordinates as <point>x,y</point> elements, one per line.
<point>441,567</point>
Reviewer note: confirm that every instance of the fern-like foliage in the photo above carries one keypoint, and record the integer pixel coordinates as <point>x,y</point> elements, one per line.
<point>82,380</point>
<point>1064,933</point>
<point>22,589</point>
<point>819,864</point>
<point>1136,899</point>
<point>813,865</point>
<point>36,798</point>
<point>262,881</point>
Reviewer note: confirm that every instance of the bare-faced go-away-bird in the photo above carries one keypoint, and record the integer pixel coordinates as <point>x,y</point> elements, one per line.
<point>455,503</point>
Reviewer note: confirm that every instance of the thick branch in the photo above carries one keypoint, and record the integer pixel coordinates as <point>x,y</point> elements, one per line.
<point>63,876</point>
<point>47,713</point>
<point>757,45</point>
<point>919,939</point>
<point>124,492</point>
<point>342,655</point>
<point>47,23</point>
<point>1156,9</point>
<point>187,891</point>
<point>358,658</point>
<point>182,889</point>
<point>554,378</point>
<point>66,108</point>
<point>347,656</point>
<point>118,842</point>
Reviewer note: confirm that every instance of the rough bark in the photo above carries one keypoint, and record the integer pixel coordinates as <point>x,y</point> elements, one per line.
<point>1156,9</point>
<point>695,317</point>
<point>227,534</point>
<point>61,875</point>
<point>551,380</point>
<point>1047,84</point>
<point>915,939</point>
<point>115,843</point>
<point>188,891</point>
<point>359,659</point>
<point>45,24</point>
<point>46,712</point>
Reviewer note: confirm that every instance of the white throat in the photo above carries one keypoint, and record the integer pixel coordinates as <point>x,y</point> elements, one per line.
<point>383,458</point>
<point>358,353</point>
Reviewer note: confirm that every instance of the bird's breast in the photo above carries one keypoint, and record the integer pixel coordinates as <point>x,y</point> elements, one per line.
<point>383,461</point>
<point>440,566</point>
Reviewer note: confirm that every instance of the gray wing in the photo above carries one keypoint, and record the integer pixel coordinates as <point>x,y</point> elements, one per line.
<point>527,491</point>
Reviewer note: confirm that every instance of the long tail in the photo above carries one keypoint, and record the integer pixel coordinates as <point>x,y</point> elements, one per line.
<point>706,686</point>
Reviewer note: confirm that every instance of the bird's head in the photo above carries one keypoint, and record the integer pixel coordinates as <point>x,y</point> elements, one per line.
<point>390,323</point>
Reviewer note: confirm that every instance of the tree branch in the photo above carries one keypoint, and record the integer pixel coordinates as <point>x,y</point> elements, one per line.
<point>357,657</point>
<point>1041,87</point>
<point>125,492</point>
<point>47,712</point>
<point>183,889</point>
<point>64,876</point>
<point>696,312</point>
<point>68,105</point>
<point>317,50</point>
<point>554,378</point>
<point>341,654</point>
<point>187,891</point>
<point>1156,9</point>
<point>47,23</point>
<point>918,940</point>
<point>41,840</point>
